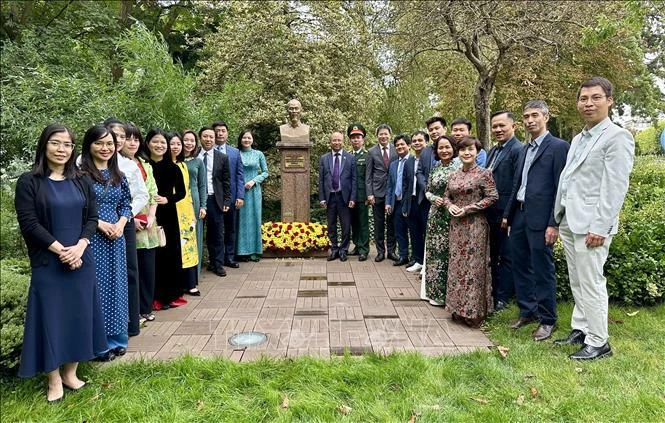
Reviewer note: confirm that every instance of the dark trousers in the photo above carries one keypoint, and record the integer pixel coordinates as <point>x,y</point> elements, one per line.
<point>360,227</point>
<point>338,210</point>
<point>417,221</point>
<point>401,231</point>
<point>503,287</point>
<point>535,282</point>
<point>146,261</point>
<point>191,275</point>
<point>230,222</point>
<point>384,227</point>
<point>214,233</point>
<point>132,279</point>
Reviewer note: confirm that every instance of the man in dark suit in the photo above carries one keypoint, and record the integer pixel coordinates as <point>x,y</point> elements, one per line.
<point>359,214</point>
<point>337,193</point>
<point>530,215</point>
<point>502,160</point>
<point>378,160</point>
<point>218,179</point>
<point>461,128</point>
<point>237,191</point>
<point>415,205</point>
<point>395,193</point>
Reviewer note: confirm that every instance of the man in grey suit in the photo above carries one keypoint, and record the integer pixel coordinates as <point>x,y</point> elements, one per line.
<point>591,191</point>
<point>337,193</point>
<point>378,161</point>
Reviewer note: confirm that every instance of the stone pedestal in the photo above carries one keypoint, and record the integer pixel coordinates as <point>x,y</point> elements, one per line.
<point>294,171</point>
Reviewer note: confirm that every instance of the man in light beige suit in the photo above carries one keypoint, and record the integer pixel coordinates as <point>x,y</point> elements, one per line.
<point>591,191</point>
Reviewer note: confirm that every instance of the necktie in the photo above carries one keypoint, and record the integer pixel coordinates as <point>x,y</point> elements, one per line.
<point>495,156</point>
<point>385,156</point>
<point>205,161</point>
<point>335,175</point>
<point>400,172</point>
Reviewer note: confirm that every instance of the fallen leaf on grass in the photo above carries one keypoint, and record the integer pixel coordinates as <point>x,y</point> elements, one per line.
<point>413,418</point>
<point>344,409</point>
<point>615,322</point>
<point>634,313</point>
<point>520,399</point>
<point>534,392</point>
<point>579,370</point>
<point>199,405</point>
<point>480,400</point>
<point>503,351</point>
<point>107,385</point>
<point>285,402</point>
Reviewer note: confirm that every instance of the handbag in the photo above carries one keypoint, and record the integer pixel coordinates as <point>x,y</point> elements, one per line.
<point>162,236</point>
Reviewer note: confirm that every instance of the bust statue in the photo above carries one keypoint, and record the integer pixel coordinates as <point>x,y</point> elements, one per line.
<point>294,131</point>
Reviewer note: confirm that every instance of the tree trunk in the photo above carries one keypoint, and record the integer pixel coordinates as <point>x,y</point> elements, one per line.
<point>481,104</point>
<point>116,67</point>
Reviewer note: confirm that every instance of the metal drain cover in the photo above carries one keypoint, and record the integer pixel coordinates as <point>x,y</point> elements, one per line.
<point>248,339</point>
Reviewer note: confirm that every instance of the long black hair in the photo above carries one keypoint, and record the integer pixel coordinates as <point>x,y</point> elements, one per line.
<point>197,146</point>
<point>151,134</point>
<point>40,167</point>
<point>242,133</point>
<point>169,136</point>
<point>88,167</point>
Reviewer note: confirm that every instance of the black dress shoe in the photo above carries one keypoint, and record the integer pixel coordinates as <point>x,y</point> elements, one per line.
<point>232,264</point>
<point>107,356</point>
<point>543,332</point>
<point>591,353</point>
<point>392,256</point>
<point>401,262</point>
<point>574,337</point>
<point>379,258</point>
<point>119,351</point>
<point>220,272</point>
<point>500,306</point>
<point>362,257</point>
<point>333,256</point>
<point>353,252</point>
<point>210,268</point>
<point>342,257</point>
<point>522,321</point>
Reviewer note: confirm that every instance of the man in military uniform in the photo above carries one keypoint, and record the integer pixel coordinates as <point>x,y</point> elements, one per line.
<point>360,213</point>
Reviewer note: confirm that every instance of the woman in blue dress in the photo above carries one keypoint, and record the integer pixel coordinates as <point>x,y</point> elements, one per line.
<point>99,160</point>
<point>199,191</point>
<point>64,323</point>
<point>249,242</point>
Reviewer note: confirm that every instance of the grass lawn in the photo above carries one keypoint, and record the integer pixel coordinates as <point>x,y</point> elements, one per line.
<point>535,382</point>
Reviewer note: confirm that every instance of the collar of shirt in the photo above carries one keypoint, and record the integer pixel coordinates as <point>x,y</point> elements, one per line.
<point>210,152</point>
<point>596,130</point>
<point>540,139</point>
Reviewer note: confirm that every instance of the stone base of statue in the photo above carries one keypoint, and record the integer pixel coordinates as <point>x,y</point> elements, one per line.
<point>294,171</point>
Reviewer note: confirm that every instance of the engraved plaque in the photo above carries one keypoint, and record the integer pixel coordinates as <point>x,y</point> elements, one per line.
<point>294,160</point>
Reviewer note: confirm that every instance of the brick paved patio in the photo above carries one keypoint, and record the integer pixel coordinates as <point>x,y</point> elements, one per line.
<point>306,307</point>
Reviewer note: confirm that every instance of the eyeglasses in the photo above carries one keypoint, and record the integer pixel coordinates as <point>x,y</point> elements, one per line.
<point>595,99</point>
<point>57,144</point>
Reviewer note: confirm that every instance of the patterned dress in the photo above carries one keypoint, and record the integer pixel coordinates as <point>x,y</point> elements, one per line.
<point>187,223</point>
<point>113,202</point>
<point>199,191</point>
<point>469,290</point>
<point>249,225</point>
<point>436,242</point>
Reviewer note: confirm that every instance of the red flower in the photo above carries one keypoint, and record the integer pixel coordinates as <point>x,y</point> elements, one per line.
<point>288,228</point>
<point>275,225</point>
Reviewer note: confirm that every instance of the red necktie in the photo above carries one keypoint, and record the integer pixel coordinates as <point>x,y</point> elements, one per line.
<point>385,156</point>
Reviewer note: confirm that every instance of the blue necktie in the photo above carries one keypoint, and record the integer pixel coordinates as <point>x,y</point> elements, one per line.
<point>400,172</point>
<point>335,175</point>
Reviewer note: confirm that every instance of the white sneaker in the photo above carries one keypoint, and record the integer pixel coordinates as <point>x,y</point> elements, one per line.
<point>435,303</point>
<point>416,267</point>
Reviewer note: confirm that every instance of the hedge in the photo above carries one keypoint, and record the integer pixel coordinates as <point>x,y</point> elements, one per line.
<point>14,283</point>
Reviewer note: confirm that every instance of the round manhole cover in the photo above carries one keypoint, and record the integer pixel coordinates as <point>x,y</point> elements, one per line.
<point>248,339</point>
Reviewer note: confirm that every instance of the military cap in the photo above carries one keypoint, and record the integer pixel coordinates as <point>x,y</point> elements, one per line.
<point>355,128</point>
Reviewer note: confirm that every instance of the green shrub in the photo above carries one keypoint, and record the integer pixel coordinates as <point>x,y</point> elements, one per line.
<point>11,241</point>
<point>14,283</point>
<point>635,268</point>
<point>647,141</point>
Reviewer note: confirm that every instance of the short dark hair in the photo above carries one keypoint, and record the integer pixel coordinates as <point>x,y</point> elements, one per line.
<point>206,128</point>
<point>597,81</point>
<point>240,135</point>
<point>133,131</point>
<point>508,114</point>
<point>423,133</point>
<point>383,126</point>
<point>219,123</point>
<point>469,141</point>
<point>93,134</point>
<point>169,136</point>
<point>433,119</point>
<point>197,147</point>
<point>113,122</point>
<point>461,121</point>
<point>405,137</point>
<point>450,140</point>
<point>40,167</point>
